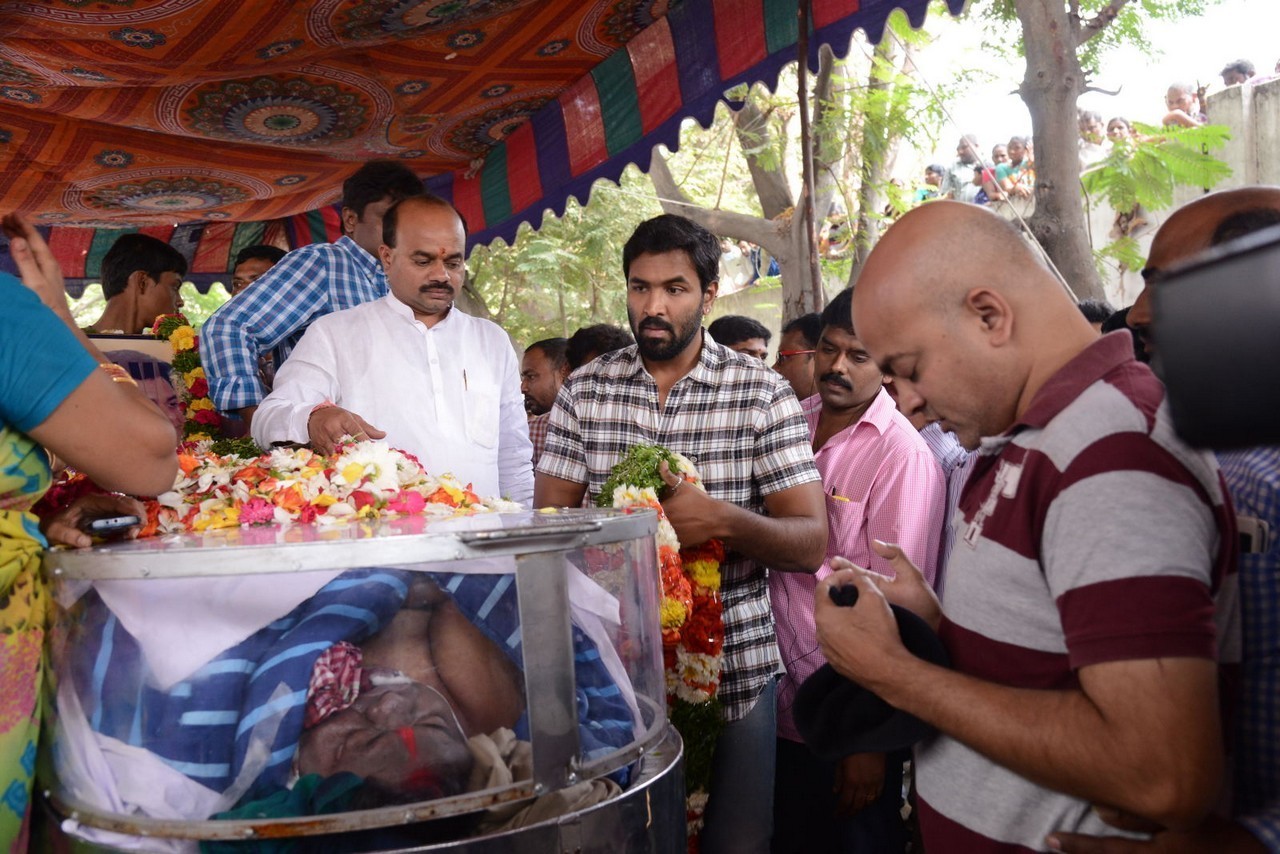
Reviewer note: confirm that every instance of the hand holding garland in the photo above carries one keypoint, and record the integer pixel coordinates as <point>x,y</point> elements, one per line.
<point>792,538</point>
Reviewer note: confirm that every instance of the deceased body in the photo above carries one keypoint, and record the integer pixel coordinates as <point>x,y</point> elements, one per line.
<point>386,678</point>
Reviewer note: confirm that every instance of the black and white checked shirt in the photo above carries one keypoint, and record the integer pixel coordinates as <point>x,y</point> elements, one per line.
<point>740,424</point>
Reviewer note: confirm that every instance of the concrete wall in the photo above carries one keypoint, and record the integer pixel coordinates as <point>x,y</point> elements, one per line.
<point>1253,153</point>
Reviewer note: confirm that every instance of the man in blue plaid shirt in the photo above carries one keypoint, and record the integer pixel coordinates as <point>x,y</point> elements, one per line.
<point>740,424</point>
<point>307,283</point>
<point>1253,479</point>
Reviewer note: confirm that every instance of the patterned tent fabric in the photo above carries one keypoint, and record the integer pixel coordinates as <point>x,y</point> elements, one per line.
<point>187,116</point>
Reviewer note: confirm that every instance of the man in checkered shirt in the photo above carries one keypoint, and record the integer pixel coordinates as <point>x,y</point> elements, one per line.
<point>741,425</point>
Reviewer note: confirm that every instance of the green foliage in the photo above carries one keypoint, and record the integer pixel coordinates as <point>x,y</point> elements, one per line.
<point>568,273</point>
<point>89,307</point>
<point>186,361</point>
<point>711,164</point>
<point>1004,36</point>
<point>1146,171</point>
<point>638,468</point>
<point>874,107</point>
<point>699,725</point>
<point>197,306</point>
<point>1124,253</point>
<point>166,326</point>
<point>244,447</point>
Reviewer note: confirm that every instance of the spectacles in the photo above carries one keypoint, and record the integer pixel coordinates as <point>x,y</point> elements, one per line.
<point>783,355</point>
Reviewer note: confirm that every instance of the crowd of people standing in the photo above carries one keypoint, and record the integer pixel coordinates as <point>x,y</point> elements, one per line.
<point>952,437</point>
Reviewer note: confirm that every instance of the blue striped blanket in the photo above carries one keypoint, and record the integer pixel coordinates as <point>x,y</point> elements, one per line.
<point>254,694</point>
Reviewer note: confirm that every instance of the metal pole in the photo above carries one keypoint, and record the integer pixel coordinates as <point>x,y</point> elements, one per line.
<point>810,222</point>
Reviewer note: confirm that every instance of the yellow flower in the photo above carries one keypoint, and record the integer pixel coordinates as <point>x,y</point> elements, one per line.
<point>197,437</point>
<point>183,338</point>
<point>324,499</point>
<point>671,613</point>
<point>227,517</point>
<point>352,473</point>
<point>200,403</point>
<point>193,375</point>
<point>703,573</point>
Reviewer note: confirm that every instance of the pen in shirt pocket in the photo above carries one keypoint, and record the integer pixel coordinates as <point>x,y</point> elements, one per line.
<point>837,496</point>
<point>465,387</point>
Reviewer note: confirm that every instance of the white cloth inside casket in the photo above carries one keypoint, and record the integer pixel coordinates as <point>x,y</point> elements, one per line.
<point>181,624</point>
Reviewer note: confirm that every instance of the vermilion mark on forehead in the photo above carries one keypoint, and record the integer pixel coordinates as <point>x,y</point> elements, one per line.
<point>410,742</point>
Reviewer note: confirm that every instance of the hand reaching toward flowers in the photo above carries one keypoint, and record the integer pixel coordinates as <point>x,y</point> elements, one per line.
<point>329,424</point>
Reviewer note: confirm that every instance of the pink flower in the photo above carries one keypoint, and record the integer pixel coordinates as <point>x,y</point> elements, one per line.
<point>257,511</point>
<point>407,502</point>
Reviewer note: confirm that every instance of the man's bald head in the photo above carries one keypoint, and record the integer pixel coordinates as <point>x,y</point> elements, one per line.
<point>1200,225</point>
<point>959,309</point>
<point>936,253</point>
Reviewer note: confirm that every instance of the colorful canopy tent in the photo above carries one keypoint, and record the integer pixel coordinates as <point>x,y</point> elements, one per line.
<point>219,123</point>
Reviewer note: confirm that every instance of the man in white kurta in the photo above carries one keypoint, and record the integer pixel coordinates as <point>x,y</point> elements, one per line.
<point>438,383</point>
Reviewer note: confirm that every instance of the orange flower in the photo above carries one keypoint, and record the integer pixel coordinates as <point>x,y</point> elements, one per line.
<point>442,496</point>
<point>290,499</point>
<point>188,462</point>
<point>250,474</point>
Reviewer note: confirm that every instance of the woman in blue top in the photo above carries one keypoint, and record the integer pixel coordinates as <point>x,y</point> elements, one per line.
<point>54,384</point>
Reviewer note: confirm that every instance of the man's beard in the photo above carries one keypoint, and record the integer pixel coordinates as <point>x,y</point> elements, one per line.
<point>662,351</point>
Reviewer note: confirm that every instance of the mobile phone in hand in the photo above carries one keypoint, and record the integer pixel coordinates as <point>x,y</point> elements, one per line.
<point>109,526</point>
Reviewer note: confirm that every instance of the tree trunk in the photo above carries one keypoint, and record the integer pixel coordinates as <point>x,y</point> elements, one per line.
<point>752,129</point>
<point>878,151</point>
<point>779,232</point>
<point>777,236</point>
<point>1053,83</point>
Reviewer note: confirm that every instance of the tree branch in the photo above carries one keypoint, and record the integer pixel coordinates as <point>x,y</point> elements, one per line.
<point>1100,21</point>
<point>761,232</point>
<point>827,149</point>
<point>752,128</point>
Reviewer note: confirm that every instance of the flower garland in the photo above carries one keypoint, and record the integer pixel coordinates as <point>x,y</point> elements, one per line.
<point>202,418</point>
<point>360,480</point>
<point>689,613</point>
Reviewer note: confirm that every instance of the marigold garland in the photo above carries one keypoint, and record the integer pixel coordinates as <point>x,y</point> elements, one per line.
<point>202,419</point>
<point>689,613</point>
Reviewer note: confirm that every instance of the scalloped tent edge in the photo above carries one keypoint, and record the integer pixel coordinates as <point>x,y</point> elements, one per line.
<point>538,167</point>
<point>871,17</point>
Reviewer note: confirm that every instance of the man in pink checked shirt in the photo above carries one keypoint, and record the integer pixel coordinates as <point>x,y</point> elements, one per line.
<point>881,483</point>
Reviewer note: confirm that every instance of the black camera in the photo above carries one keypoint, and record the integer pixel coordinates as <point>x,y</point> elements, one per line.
<point>1217,334</point>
